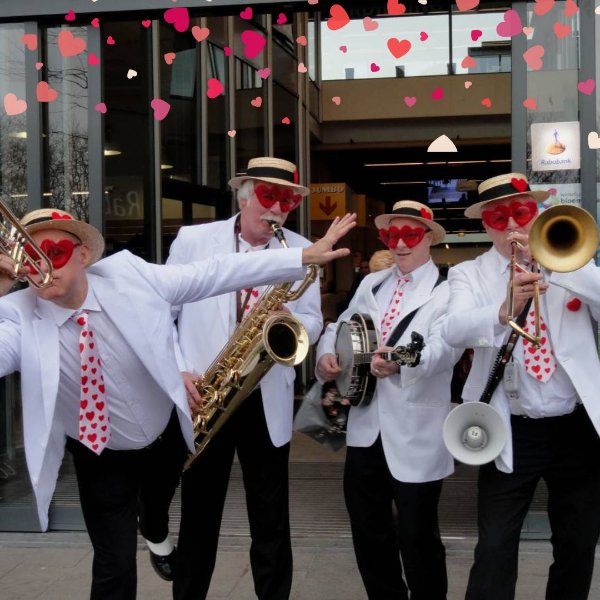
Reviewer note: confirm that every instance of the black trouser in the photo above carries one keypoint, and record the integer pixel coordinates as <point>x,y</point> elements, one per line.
<point>565,451</point>
<point>203,491</point>
<point>114,489</point>
<point>379,542</point>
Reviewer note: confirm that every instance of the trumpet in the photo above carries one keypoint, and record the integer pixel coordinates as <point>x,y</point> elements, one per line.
<point>563,238</point>
<point>13,239</point>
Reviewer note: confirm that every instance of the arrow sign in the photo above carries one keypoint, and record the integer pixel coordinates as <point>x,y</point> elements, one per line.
<point>328,207</point>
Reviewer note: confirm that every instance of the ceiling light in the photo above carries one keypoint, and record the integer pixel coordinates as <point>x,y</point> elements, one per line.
<point>111,152</point>
<point>21,135</point>
<point>165,167</point>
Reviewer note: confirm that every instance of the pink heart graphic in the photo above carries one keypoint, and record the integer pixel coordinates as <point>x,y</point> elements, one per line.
<point>437,94</point>
<point>336,100</point>
<point>510,25</point>
<point>410,101</point>
<point>29,40</point>
<point>302,40</point>
<point>38,65</point>
<point>302,68</point>
<point>281,19</point>
<point>463,5</point>
<point>101,107</point>
<point>178,17</point>
<point>423,36</point>
<point>286,120</point>
<point>14,106</point>
<point>246,14</point>
<point>231,133</point>
<point>93,59</point>
<point>374,68</point>
<point>69,45</point>
<point>215,88</point>
<point>264,73</point>
<point>533,57</point>
<point>95,22</point>
<point>70,16</point>
<point>395,8</point>
<point>561,30</point>
<point>398,48</point>
<point>110,40</point>
<point>146,23</point>
<point>254,43</point>
<point>339,17</point>
<point>486,102</point>
<point>344,49</point>
<point>369,24</point>
<point>161,109</point>
<point>476,34</point>
<point>257,102</point>
<point>227,51</point>
<point>200,33</point>
<point>530,103</point>
<point>468,62</point>
<point>528,31</point>
<point>542,7</point>
<point>571,8</point>
<point>169,57</point>
<point>44,93</point>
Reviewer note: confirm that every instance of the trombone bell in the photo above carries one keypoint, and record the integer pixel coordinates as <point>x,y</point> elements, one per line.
<point>563,238</point>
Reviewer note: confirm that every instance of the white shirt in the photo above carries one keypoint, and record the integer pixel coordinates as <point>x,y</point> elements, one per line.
<point>139,410</point>
<point>535,399</point>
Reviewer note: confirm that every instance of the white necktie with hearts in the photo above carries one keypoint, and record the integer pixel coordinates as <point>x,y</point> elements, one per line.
<point>392,312</point>
<point>94,420</point>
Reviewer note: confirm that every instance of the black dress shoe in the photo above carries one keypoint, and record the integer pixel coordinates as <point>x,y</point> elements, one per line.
<point>164,565</point>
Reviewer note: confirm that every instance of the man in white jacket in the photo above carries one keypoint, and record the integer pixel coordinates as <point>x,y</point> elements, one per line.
<point>395,450</point>
<point>261,428</point>
<point>99,375</point>
<point>548,399</point>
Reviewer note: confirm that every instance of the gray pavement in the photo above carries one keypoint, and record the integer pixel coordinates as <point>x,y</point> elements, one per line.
<point>56,566</point>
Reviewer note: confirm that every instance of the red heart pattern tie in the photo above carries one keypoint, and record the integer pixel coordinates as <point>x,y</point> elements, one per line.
<point>250,297</point>
<point>94,420</point>
<point>540,362</point>
<point>393,310</point>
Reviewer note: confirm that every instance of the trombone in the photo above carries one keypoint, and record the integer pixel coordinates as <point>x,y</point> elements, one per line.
<point>563,238</point>
<point>13,239</point>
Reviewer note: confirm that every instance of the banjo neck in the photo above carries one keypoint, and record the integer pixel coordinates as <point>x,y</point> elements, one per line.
<point>363,358</point>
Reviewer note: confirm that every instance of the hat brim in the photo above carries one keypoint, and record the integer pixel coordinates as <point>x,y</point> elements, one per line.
<point>236,182</point>
<point>88,234</point>
<point>439,233</point>
<point>474,211</point>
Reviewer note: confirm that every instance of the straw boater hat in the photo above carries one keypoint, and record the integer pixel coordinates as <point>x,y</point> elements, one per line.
<point>272,170</point>
<point>412,209</point>
<point>53,218</point>
<point>511,185</point>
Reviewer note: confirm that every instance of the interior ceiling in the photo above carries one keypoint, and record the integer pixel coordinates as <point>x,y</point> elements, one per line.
<point>426,177</point>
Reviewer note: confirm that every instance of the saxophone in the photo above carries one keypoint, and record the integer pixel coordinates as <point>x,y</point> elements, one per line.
<point>261,340</point>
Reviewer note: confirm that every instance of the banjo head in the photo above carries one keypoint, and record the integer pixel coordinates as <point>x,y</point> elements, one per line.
<point>344,348</point>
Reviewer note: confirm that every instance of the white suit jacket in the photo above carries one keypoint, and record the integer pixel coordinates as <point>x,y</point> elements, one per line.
<point>205,327</point>
<point>408,409</point>
<point>477,290</point>
<point>137,296</point>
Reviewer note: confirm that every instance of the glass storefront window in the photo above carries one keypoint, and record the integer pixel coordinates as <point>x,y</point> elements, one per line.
<point>66,125</point>
<point>217,121</point>
<point>353,53</point>
<point>285,66</point>
<point>250,118</point>
<point>554,128</point>
<point>474,36</point>
<point>13,128</point>
<point>128,124</point>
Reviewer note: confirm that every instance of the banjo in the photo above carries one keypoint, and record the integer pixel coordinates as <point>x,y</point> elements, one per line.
<point>356,340</point>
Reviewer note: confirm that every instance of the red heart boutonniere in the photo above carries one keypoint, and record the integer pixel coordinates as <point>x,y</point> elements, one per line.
<point>574,304</point>
<point>425,214</point>
<point>56,215</point>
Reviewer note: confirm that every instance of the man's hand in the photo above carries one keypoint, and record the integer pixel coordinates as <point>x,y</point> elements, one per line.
<point>383,368</point>
<point>7,273</point>
<point>524,288</point>
<point>322,252</point>
<point>328,368</point>
<point>194,399</point>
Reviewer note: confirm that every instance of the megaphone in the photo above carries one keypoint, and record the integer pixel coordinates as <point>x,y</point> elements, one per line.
<point>474,433</point>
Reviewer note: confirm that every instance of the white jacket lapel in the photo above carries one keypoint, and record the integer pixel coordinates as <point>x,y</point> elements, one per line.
<point>223,242</point>
<point>46,341</point>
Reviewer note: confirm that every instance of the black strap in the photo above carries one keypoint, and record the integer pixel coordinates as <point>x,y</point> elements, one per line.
<point>503,357</point>
<point>401,327</point>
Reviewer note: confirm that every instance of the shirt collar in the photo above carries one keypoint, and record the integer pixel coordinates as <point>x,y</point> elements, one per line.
<point>60,314</point>
<point>501,263</point>
<point>413,276</point>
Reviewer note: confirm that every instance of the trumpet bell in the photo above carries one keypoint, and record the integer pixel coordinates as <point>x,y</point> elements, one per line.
<point>563,238</point>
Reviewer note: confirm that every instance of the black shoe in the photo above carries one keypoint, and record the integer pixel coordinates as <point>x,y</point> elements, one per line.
<point>164,565</point>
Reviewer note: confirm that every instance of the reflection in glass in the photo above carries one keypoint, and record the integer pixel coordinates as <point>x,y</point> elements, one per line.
<point>65,126</point>
<point>13,128</point>
<point>128,141</point>
<point>217,121</point>
<point>250,138</point>
<point>475,39</point>
<point>352,52</point>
